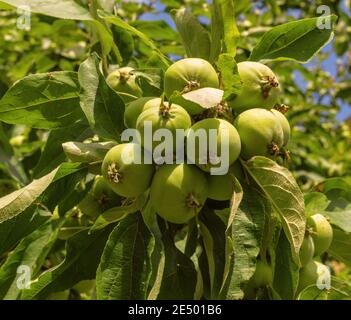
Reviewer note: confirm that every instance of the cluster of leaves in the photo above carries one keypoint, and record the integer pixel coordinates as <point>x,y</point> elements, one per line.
<point>130,251</point>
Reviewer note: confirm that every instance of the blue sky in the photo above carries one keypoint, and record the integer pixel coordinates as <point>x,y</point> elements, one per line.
<point>329,65</point>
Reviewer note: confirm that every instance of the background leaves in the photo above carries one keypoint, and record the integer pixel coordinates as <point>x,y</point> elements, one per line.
<point>125,264</point>
<point>297,40</point>
<point>283,193</point>
<point>83,256</point>
<point>195,38</point>
<point>65,9</point>
<point>43,101</point>
<point>103,108</point>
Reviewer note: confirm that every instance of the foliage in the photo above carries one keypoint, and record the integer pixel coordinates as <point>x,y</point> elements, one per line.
<point>58,118</point>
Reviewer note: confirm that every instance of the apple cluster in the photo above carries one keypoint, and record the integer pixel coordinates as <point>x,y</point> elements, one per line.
<point>245,126</point>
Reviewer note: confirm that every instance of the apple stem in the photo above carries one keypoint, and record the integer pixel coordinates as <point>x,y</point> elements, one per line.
<point>285,155</point>
<point>164,110</point>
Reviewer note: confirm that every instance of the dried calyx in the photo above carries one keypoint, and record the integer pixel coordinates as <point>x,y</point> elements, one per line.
<point>273,149</point>
<point>113,174</point>
<point>192,202</point>
<point>164,110</point>
<point>221,111</point>
<point>191,85</point>
<point>283,108</point>
<point>124,76</point>
<point>267,84</point>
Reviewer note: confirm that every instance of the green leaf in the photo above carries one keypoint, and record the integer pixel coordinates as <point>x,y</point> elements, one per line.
<point>125,262</point>
<point>18,201</point>
<point>49,100</point>
<point>340,219</point>
<point>198,100</point>
<point>229,76</point>
<point>313,293</point>
<point>242,6</point>
<point>282,191</point>
<point>217,32</point>
<point>286,275</point>
<point>339,290</point>
<point>103,107</point>
<point>203,272</point>
<point>13,230</point>
<point>191,240</point>
<point>150,81</point>
<point>68,9</point>
<point>31,253</point>
<point>4,141</point>
<point>82,259</point>
<point>234,202</point>
<point>158,255</point>
<point>5,6</point>
<point>44,192</point>
<point>106,40</point>
<point>124,25</point>
<point>13,166</point>
<point>297,40</point>
<point>157,30</point>
<point>107,5</point>
<point>68,178</point>
<point>124,41</point>
<point>228,215</point>
<point>179,276</point>
<point>247,235</point>
<point>64,9</point>
<point>195,37</point>
<point>231,32</point>
<point>118,213</point>
<point>213,235</point>
<point>52,155</point>
<point>24,65</point>
<point>337,183</point>
<point>340,246</point>
<point>75,195</point>
<point>338,192</point>
<point>315,202</point>
<point>224,31</point>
